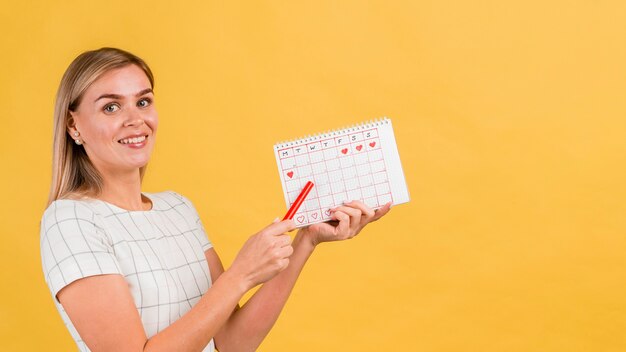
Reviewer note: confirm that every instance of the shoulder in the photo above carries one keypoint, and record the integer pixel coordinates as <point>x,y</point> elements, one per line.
<point>70,227</point>
<point>67,210</point>
<point>74,243</point>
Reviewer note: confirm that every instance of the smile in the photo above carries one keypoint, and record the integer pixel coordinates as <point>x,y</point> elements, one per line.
<point>133,140</point>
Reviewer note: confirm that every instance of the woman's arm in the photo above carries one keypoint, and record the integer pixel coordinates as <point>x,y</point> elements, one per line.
<point>249,325</point>
<point>104,314</point>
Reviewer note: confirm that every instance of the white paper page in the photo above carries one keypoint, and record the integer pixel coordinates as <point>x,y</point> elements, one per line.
<point>355,163</point>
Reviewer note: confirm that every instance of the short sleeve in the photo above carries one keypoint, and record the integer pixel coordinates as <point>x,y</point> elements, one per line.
<point>201,234</point>
<point>73,246</point>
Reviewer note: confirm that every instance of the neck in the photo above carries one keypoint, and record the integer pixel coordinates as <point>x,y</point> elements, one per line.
<point>123,189</point>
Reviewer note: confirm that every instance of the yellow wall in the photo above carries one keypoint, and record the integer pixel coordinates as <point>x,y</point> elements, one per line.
<point>511,123</point>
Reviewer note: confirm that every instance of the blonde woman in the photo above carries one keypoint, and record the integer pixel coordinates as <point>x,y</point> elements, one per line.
<point>133,271</point>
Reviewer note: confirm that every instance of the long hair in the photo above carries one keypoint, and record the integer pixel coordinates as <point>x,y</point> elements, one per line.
<point>72,171</point>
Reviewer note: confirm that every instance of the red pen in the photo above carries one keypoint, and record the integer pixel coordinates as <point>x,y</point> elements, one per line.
<point>298,202</point>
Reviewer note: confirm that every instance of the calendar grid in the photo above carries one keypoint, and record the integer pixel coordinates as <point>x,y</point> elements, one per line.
<point>349,154</point>
<point>350,164</point>
<point>319,202</point>
<point>359,182</point>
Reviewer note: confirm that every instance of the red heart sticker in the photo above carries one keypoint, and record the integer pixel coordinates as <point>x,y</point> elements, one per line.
<point>314,215</point>
<point>344,150</point>
<point>290,174</point>
<point>359,147</point>
<point>372,144</point>
<point>300,219</point>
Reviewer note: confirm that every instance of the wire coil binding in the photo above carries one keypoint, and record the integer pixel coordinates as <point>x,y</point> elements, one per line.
<point>333,133</point>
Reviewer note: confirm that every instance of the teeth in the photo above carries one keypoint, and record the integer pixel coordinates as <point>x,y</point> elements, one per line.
<point>133,140</point>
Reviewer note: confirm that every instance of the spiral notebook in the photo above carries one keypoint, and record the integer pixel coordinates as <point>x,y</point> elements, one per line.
<point>355,163</point>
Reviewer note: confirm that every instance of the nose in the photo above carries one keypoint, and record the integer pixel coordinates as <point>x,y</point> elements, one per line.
<point>133,119</point>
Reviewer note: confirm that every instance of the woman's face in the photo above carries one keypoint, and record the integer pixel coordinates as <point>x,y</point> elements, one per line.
<point>117,120</point>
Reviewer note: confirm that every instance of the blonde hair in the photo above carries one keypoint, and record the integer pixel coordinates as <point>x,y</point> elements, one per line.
<point>72,171</point>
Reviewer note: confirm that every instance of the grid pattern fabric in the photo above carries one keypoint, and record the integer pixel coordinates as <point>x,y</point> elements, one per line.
<point>159,252</point>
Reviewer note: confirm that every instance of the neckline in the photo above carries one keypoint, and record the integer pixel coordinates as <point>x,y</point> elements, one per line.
<point>146,195</point>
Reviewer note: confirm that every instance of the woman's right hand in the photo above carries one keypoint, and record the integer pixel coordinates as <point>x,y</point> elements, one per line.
<point>264,255</point>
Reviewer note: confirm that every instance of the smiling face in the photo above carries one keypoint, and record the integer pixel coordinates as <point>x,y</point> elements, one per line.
<point>117,120</point>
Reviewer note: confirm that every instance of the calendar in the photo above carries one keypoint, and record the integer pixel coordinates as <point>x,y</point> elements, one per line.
<point>360,162</point>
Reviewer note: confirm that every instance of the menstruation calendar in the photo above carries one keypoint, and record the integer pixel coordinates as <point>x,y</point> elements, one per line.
<point>355,163</point>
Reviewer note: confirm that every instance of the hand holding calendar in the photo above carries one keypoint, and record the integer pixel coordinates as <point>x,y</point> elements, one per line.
<point>356,163</point>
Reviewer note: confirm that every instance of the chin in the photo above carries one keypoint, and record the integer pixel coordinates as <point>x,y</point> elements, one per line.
<point>141,164</point>
<point>136,164</point>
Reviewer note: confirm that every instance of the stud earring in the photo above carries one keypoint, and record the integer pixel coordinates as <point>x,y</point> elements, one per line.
<point>77,140</point>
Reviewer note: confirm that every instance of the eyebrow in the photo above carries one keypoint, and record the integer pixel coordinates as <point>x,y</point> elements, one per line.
<point>117,96</point>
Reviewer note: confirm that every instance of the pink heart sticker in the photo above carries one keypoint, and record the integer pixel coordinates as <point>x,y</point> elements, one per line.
<point>359,147</point>
<point>372,144</point>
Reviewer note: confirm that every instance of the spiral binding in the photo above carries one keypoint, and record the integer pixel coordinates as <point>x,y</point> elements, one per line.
<point>333,133</point>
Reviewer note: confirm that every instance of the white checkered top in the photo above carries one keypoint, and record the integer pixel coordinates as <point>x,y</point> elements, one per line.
<point>159,252</point>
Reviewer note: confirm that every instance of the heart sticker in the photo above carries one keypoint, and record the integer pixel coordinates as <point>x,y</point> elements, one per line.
<point>300,219</point>
<point>344,150</point>
<point>372,144</point>
<point>359,147</point>
<point>290,174</point>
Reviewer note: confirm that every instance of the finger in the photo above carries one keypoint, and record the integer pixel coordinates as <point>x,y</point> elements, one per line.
<point>284,252</point>
<point>351,211</point>
<point>283,240</point>
<point>280,227</point>
<point>366,211</point>
<point>289,251</point>
<point>344,222</point>
<point>380,212</point>
<point>355,218</point>
<point>283,264</point>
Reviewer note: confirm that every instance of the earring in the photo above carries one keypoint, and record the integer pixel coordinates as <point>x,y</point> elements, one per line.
<point>77,140</point>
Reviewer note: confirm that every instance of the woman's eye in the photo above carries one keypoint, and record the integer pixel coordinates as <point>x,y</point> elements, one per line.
<point>144,102</point>
<point>111,108</point>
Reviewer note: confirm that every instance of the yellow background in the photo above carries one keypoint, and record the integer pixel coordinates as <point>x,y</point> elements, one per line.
<point>510,122</point>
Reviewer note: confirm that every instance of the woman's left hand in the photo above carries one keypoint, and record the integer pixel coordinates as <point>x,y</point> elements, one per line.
<point>346,222</point>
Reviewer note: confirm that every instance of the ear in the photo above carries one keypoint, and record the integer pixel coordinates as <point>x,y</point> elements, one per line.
<point>71,123</point>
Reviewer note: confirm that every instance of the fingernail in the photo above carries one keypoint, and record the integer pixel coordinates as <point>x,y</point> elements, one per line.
<point>275,221</point>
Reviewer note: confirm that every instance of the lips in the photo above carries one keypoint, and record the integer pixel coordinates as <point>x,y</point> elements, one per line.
<point>133,140</point>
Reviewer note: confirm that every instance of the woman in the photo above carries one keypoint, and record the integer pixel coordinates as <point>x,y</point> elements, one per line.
<point>131,271</point>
